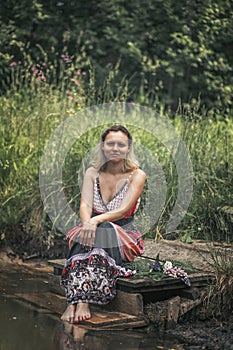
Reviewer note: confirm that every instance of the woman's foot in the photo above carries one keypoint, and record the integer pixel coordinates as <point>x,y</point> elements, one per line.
<point>82,312</point>
<point>69,313</point>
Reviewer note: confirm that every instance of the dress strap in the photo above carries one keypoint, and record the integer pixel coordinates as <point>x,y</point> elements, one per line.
<point>130,175</point>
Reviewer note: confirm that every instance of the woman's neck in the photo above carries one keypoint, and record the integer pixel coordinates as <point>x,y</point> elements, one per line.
<point>114,168</point>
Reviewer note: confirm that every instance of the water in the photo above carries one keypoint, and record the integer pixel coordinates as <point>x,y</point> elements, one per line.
<point>22,327</point>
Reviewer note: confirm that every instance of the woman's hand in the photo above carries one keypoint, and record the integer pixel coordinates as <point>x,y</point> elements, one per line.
<point>87,233</point>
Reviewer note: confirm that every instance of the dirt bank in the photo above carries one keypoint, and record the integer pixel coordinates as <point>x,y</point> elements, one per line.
<point>198,253</point>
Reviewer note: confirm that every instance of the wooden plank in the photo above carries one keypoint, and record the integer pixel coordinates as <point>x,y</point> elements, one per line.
<point>100,317</point>
<point>127,323</point>
<point>108,318</point>
<point>172,312</point>
<point>136,282</point>
<point>191,293</point>
<point>187,305</point>
<point>58,265</point>
<point>48,300</point>
<point>54,283</point>
<point>129,303</point>
<point>149,285</point>
<point>138,322</point>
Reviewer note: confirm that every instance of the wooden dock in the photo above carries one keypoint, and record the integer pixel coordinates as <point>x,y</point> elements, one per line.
<point>135,294</point>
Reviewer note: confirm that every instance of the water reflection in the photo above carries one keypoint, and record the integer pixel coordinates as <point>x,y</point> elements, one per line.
<point>74,337</point>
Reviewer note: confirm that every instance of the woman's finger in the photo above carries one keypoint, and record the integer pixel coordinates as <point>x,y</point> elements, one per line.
<point>91,239</point>
<point>85,238</point>
<point>88,241</point>
<point>81,237</point>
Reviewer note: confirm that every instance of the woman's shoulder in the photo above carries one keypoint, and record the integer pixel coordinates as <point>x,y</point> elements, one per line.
<point>138,174</point>
<point>92,172</point>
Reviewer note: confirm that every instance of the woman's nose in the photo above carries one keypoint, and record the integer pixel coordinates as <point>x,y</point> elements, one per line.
<point>115,147</point>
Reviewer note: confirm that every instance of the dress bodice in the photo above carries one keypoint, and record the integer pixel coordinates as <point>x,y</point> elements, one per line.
<point>99,206</point>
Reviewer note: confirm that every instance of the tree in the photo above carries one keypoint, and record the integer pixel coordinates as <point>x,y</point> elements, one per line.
<point>172,49</point>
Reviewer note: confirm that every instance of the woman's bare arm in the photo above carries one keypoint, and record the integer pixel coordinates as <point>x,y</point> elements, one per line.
<point>86,203</point>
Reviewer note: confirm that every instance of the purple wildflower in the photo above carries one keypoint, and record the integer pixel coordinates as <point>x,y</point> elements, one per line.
<point>155,266</point>
<point>186,280</point>
<point>13,64</point>
<point>64,57</point>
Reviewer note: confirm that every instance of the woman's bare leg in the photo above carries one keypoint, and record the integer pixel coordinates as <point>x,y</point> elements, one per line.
<point>69,313</point>
<point>82,312</point>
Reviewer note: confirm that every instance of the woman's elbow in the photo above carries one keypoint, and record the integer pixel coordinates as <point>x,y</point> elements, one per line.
<point>84,208</point>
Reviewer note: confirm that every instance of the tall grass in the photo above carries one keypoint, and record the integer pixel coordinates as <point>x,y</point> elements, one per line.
<point>41,94</point>
<point>219,301</point>
<point>210,143</point>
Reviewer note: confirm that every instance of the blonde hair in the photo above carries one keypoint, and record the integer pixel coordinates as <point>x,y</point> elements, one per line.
<point>100,161</point>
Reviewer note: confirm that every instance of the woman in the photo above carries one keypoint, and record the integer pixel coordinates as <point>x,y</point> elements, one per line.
<point>107,236</point>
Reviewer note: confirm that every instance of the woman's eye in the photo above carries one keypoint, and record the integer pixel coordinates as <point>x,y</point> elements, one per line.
<point>112,144</point>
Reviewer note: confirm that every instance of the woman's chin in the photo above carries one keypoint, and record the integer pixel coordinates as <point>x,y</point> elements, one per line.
<point>115,159</point>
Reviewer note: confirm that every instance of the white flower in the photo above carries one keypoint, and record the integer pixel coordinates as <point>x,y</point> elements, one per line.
<point>167,265</point>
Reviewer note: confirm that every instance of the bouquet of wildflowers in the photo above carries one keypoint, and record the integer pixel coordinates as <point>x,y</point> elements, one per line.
<point>168,269</point>
<point>158,269</point>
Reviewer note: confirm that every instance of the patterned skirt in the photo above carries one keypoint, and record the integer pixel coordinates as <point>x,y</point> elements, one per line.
<point>90,276</point>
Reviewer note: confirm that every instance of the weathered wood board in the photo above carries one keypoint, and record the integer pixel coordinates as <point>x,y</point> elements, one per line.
<point>100,317</point>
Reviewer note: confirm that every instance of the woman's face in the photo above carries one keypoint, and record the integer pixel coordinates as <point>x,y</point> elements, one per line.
<point>116,146</point>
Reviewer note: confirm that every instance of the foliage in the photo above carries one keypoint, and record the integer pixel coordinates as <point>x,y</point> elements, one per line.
<point>210,147</point>
<point>168,49</point>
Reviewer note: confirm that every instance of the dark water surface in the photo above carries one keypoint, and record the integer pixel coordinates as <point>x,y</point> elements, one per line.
<point>28,327</point>
<point>22,327</point>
